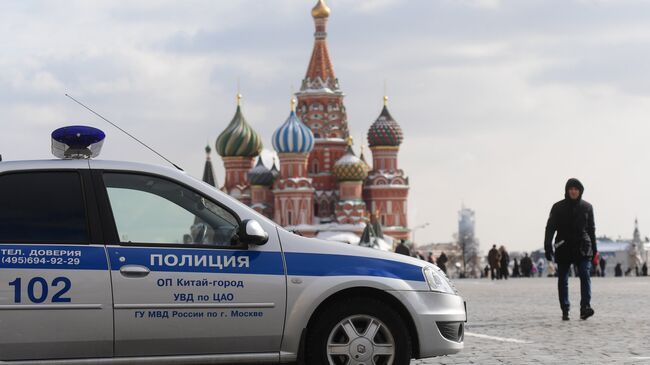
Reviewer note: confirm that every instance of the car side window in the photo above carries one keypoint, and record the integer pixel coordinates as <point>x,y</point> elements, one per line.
<point>42,206</point>
<point>149,209</point>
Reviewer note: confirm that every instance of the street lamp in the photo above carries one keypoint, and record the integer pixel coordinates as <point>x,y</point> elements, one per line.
<point>416,228</point>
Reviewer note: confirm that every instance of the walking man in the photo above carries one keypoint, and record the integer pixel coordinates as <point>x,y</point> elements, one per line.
<point>504,263</point>
<point>526,266</point>
<point>575,243</point>
<point>442,262</point>
<point>402,249</point>
<point>603,264</point>
<point>494,259</point>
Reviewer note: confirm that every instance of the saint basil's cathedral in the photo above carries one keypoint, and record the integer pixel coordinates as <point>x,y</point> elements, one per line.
<point>321,188</point>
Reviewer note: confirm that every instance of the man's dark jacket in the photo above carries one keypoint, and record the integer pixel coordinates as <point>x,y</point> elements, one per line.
<point>402,249</point>
<point>573,220</point>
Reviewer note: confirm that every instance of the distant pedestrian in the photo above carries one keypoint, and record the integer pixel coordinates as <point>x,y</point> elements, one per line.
<point>515,269</point>
<point>494,259</point>
<point>575,243</point>
<point>618,270</point>
<point>402,249</point>
<point>486,270</point>
<point>634,258</point>
<point>644,269</point>
<point>503,264</point>
<point>442,262</point>
<point>526,266</point>
<point>603,264</point>
<point>540,267</point>
<point>595,265</point>
<point>430,258</point>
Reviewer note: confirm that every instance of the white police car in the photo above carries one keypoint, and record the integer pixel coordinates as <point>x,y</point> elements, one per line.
<point>118,262</point>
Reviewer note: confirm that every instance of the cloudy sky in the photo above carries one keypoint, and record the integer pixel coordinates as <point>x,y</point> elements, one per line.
<point>500,101</point>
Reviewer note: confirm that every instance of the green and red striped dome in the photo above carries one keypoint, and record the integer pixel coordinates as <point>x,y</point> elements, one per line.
<point>239,138</point>
<point>385,131</point>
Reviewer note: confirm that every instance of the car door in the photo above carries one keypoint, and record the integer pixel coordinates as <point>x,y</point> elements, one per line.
<point>55,293</point>
<point>182,283</point>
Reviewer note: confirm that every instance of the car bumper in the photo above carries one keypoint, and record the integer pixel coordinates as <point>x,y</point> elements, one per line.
<point>439,320</point>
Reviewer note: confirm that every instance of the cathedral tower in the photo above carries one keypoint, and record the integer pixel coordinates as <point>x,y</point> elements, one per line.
<point>261,181</point>
<point>238,145</point>
<point>386,188</point>
<point>293,191</point>
<point>320,107</point>
<point>350,171</point>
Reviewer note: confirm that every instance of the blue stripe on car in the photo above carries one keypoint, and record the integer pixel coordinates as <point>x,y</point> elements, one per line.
<point>261,263</point>
<point>315,264</point>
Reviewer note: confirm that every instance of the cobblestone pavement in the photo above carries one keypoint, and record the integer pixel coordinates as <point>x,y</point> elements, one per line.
<point>518,321</point>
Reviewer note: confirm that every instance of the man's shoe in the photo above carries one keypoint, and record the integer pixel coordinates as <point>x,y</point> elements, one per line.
<point>565,315</point>
<point>586,312</point>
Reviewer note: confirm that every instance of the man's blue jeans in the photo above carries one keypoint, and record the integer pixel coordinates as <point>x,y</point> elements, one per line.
<point>584,270</point>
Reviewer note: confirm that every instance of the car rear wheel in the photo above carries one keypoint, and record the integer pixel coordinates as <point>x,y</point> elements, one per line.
<point>358,331</point>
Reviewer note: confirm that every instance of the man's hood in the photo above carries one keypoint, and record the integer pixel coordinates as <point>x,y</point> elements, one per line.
<point>573,183</point>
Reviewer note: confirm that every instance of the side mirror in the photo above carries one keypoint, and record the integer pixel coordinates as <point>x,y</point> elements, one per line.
<point>251,232</point>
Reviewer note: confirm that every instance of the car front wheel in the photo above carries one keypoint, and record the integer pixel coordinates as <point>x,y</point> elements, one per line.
<point>359,331</point>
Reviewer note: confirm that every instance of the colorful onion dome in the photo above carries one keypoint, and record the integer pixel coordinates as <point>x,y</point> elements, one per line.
<point>350,167</point>
<point>385,131</point>
<point>239,138</point>
<point>293,136</point>
<point>320,10</point>
<point>260,175</point>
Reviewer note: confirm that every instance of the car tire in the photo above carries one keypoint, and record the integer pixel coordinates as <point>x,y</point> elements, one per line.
<point>364,330</point>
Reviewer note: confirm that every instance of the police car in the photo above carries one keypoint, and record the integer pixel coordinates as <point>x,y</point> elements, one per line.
<point>119,262</point>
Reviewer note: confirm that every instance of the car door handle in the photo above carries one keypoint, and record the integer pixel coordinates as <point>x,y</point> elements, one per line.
<point>134,271</point>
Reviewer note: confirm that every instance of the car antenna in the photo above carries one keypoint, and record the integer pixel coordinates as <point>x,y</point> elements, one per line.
<point>123,131</point>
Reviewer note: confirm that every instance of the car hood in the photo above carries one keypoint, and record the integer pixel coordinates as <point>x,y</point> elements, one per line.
<point>295,243</point>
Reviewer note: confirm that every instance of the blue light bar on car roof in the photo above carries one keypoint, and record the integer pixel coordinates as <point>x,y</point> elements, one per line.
<point>77,141</point>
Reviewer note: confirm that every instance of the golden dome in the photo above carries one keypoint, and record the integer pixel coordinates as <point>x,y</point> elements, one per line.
<point>320,10</point>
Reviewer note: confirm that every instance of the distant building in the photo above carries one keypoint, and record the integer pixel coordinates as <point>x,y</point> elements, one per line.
<point>630,253</point>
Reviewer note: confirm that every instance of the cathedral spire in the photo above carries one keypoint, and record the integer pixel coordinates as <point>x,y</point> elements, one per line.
<point>320,73</point>
<point>320,10</point>
<point>208,171</point>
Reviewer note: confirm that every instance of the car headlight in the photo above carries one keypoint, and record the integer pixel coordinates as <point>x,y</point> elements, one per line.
<point>438,281</point>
